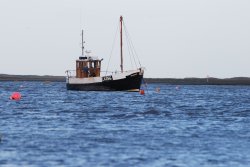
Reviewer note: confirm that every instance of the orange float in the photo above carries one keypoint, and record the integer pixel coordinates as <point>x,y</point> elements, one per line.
<point>142,92</point>
<point>15,96</point>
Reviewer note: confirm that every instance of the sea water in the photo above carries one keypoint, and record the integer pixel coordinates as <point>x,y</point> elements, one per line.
<point>174,126</point>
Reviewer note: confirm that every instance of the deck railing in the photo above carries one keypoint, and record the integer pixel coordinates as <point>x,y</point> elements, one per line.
<point>72,73</point>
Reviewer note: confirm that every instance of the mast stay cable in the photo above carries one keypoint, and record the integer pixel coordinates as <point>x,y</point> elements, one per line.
<point>132,45</point>
<point>112,49</point>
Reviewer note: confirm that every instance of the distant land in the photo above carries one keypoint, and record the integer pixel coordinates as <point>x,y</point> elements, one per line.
<point>170,81</point>
<point>6,77</point>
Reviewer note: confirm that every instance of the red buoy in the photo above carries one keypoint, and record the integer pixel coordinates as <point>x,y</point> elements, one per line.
<point>15,96</point>
<point>142,92</point>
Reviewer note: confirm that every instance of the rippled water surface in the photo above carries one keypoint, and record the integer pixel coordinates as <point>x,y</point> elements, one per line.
<point>179,126</point>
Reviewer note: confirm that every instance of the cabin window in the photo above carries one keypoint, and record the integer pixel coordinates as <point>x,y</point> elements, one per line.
<point>96,64</point>
<point>77,64</point>
<point>91,64</point>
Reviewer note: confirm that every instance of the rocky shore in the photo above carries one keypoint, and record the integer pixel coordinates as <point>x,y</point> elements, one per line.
<point>170,81</point>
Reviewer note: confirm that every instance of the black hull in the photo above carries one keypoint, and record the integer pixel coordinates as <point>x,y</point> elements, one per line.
<point>131,82</point>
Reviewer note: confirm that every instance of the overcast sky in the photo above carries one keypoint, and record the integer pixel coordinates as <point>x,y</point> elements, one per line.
<point>173,38</point>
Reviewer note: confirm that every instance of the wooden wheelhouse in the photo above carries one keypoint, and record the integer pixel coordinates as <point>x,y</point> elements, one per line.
<point>88,67</point>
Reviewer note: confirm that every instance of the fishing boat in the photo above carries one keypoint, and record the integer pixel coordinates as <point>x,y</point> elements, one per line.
<point>88,74</point>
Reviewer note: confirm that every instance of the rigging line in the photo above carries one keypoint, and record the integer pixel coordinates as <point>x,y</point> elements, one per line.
<point>129,51</point>
<point>133,49</point>
<point>133,46</point>
<point>130,47</point>
<point>111,52</point>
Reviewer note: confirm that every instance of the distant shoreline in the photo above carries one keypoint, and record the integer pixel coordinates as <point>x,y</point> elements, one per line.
<point>170,81</point>
<point>7,77</point>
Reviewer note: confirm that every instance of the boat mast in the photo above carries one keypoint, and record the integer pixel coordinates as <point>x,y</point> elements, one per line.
<point>121,20</point>
<point>82,45</point>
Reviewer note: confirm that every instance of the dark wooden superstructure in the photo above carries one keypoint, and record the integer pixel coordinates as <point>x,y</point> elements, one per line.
<point>88,67</point>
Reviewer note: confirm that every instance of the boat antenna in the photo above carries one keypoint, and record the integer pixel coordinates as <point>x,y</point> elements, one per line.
<point>82,45</point>
<point>121,20</point>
